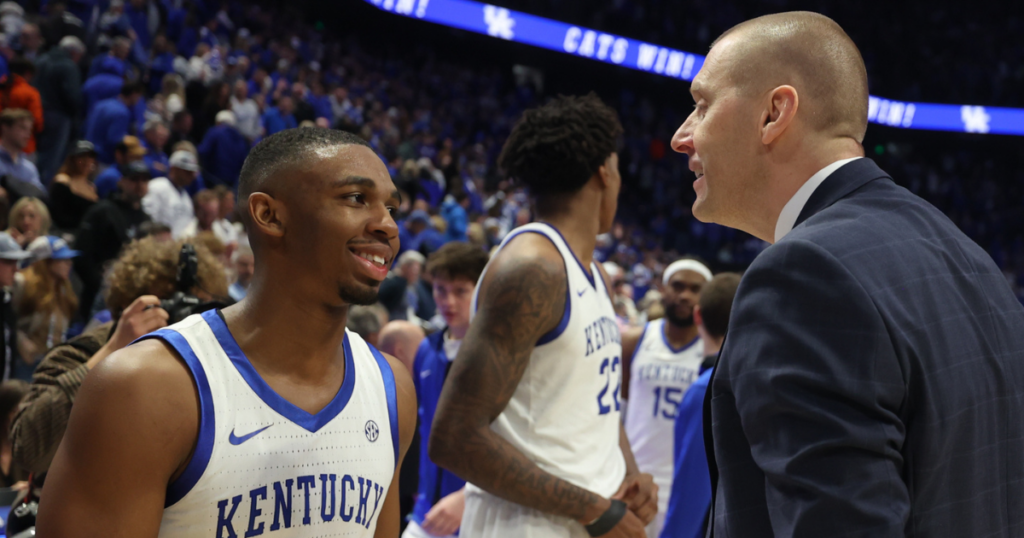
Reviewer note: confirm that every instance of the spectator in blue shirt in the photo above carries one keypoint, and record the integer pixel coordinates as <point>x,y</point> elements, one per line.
<point>15,132</point>
<point>115,61</point>
<point>453,211</point>
<point>105,84</point>
<point>279,118</point>
<point>455,268</point>
<point>126,152</point>
<point>109,121</point>
<point>155,134</point>
<point>137,12</point>
<point>416,233</point>
<point>223,150</point>
<point>690,498</point>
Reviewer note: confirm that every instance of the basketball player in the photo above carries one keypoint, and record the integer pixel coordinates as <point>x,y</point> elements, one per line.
<point>268,417</point>
<point>530,415</point>
<point>659,362</point>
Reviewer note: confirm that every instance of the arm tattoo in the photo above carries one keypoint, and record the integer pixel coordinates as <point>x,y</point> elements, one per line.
<point>524,299</point>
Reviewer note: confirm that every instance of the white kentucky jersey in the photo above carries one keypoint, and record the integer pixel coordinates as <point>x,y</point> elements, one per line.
<point>565,414</point>
<point>659,376</point>
<point>264,467</point>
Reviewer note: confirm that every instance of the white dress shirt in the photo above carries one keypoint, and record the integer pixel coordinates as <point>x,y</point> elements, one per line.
<point>792,209</point>
<point>168,205</point>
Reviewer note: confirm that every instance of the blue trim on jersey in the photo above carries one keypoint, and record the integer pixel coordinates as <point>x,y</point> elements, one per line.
<point>204,443</point>
<point>392,395</point>
<point>285,408</point>
<point>669,344</point>
<point>588,274</point>
<point>567,314</point>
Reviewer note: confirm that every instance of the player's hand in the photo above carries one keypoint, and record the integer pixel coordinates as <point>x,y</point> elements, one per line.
<point>141,317</point>
<point>640,493</point>
<point>446,516</point>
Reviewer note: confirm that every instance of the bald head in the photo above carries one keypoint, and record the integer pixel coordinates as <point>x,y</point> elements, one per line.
<point>401,339</point>
<point>809,52</point>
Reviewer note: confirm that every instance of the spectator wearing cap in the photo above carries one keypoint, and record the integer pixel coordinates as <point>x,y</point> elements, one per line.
<point>59,83</point>
<point>72,191</point>
<point>105,84</point>
<point>106,227</point>
<point>280,117</point>
<point>11,254</point>
<point>128,151</point>
<point>168,201</point>
<point>208,219</point>
<point>15,133</point>
<point>18,92</point>
<point>155,134</point>
<point>247,112</point>
<point>108,123</point>
<point>44,301</point>
<point>223,150</point>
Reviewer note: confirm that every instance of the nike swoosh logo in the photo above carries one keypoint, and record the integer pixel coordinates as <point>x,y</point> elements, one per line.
<point>235,440</point>
<point>581,292</point>
<point>424,374</point>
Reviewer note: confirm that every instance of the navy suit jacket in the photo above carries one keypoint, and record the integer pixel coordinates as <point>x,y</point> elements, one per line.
<point>872,382</point>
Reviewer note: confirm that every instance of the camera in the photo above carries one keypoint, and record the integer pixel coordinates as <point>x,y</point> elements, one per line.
<point>182,303</point>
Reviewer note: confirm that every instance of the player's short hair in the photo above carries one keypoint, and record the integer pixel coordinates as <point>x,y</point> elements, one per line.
<point>282,150</point>
<point>457,260</point>
<point>716,303</point>
<point>558,147</point>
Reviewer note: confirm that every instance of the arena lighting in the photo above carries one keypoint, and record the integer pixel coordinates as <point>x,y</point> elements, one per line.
<point>520,27</point>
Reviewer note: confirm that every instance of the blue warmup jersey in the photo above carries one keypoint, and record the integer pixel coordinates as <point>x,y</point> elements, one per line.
<point>690,498</point>
<point>429,372</point>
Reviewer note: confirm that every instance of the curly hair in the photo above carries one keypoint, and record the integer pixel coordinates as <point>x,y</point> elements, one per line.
<point>150,267</point>
<point>558,147</point>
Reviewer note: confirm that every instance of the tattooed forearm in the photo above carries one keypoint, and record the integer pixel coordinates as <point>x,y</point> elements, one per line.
<point>519,302</point>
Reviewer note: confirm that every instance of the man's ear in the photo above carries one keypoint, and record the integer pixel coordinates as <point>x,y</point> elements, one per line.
<point>698,318</point>
<point>267,214</point>
<point>604,173</point>
<point>778,115</point>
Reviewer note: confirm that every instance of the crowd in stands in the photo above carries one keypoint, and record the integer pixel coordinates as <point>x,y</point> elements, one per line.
<point>124,126</point>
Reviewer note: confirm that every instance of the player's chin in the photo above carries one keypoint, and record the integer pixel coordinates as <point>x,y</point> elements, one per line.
<point>358,293</point>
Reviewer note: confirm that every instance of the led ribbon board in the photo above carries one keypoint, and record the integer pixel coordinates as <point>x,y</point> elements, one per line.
<point>511,25</point>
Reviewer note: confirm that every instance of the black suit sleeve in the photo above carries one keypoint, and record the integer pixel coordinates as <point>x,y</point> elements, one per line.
<point>818,388</point>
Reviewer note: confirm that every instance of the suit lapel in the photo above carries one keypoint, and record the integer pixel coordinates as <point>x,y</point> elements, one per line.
<point>850,177</point>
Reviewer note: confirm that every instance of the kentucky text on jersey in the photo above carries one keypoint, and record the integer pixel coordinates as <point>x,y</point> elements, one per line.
<point>354,500</point>
<point>600,333</point>
<point>667,372</point>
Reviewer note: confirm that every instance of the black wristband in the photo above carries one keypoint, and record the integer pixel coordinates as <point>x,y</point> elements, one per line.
<point>608,520</point>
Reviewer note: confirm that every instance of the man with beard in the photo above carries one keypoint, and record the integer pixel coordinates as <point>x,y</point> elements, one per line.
<point>249,419</point>
<point>659,362</point>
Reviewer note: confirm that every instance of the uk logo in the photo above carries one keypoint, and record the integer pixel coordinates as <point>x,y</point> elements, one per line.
<point>499,22</point>
<point>975,119</point>
<point>371,430</point>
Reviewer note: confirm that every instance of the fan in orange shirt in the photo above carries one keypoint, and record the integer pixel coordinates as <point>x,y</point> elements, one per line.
<point>16,92</point>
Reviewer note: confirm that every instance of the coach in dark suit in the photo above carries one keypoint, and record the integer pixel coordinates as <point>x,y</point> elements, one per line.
<point>872,383</point>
